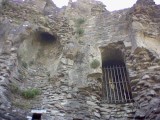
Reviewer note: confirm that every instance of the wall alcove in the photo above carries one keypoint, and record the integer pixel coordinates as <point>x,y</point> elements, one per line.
<point>116,84</point>
<point>46,37</point>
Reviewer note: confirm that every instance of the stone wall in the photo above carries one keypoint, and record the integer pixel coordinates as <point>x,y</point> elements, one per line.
<point>70,88</point>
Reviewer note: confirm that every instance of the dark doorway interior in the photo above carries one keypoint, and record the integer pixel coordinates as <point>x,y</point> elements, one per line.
<point>36,116</point>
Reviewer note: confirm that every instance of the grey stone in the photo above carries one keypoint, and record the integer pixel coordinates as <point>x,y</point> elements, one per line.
<point>64,102</point>
<point>140,113</point>
<point>106,113</point>
<point>61,114</point>
<point>145,77</point>
<point>54,112</point>
<point>157,110</point>
<point>69,96</point>
<point>156,87</point>
<point>106,117</point>
<point>58,106</point>
<point>13,49</point>
<point>91,103</point>
<point>2,78</point>
<point>151,93</point>
<point>97,114</point>
<point>7,114</point>
<point>70,62</point>
<point>94,98</point>
<point>104,109</point>
<point>129,111</point>
<point>154,68</point>
<point>158,117</point>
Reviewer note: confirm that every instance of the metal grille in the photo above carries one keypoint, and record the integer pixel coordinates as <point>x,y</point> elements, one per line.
<point>116,85</point>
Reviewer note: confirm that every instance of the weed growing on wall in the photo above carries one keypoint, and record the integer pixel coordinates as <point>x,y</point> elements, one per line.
<point>78,24</point>
<point>95,64</point>
<point>30,93</point>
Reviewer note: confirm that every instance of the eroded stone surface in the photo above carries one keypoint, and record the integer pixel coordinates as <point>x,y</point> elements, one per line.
<point>70,88</point>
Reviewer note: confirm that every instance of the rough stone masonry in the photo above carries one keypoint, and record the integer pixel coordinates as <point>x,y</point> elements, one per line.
<point>61,52</point>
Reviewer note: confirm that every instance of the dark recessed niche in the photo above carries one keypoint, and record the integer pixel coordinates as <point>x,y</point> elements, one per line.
<point>112,57</point>
<point>46,37</point>
<point>36,116</point>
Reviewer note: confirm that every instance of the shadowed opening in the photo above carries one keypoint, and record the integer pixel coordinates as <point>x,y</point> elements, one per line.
<point>46,37</point>
<point>116,85</point>
<point>36,116</point>
<point>112,57</point>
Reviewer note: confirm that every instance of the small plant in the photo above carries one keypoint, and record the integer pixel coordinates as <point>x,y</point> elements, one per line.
<point>78,25</point>
<point>30,93</point>
<point>27,94</point>
<point>80,21</point>
<point>31,63</point>
<point>24,64</point>
<point>80,31</point>
<point>95,64</point>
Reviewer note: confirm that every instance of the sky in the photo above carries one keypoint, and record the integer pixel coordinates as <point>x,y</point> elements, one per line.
<point>111,5</point>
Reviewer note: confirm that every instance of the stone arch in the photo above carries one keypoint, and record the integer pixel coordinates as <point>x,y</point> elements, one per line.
<point>116,84</point>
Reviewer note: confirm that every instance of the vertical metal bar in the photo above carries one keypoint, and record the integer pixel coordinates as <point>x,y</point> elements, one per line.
<point>115,81</point>
<point>106,78</point>
<point>123,84</point>
<point>124,73</point>
<point>106,84</point>
<point>112,84</point>
<point>119,82</point>
<point>114,71</point>
<point>109,83</point>
<point>116,84</point>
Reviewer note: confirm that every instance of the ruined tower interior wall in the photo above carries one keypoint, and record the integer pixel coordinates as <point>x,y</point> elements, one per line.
<point>71,88</point>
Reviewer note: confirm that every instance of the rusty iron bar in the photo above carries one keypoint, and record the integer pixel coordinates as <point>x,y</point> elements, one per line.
<point>123,84</point>
<point>110,95</point>
<point>112,85</point>
<point>106,86</point>
<point>117,84</point>
<point>124,73</point>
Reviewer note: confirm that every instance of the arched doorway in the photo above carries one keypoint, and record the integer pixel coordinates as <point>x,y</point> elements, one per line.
<point>116,84</point>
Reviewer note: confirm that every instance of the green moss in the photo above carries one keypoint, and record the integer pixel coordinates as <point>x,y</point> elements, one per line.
<point>80,32</point>
<point>30,93</point>
<point>78,25</point>
<point>95,64</point>
<point>24,65</point>
<point>31,63</point>
<point>27,94</point>
<point>79,22</point>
